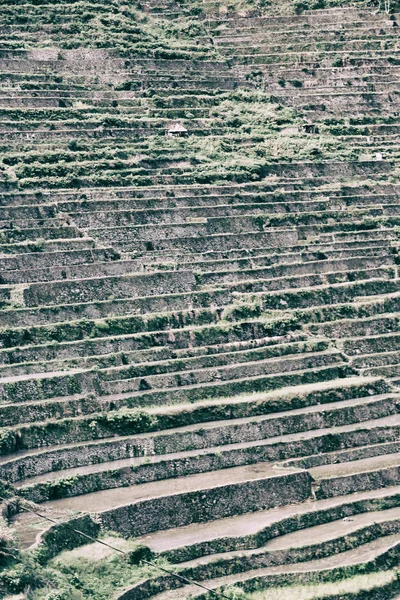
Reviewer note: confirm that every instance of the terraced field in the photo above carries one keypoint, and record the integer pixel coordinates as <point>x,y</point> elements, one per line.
<point>199,335</point>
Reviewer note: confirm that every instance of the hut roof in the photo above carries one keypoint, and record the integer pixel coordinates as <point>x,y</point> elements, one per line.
<point>177,128</point>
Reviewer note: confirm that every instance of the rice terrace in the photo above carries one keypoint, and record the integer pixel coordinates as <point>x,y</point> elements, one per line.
<point>199,299</point>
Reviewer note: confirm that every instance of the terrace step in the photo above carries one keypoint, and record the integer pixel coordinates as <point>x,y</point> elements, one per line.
<point>41,245</point>
<point>364,554</point>
<point>46,260</point>
<point>110,474</point>
<point>222,356</point>
<point>101,288</point>
<point>229,532</point>
<point>343,456</point>
<point>364,474</point>
<point>385,323</point>
<point>26,436</point>
<point>70,406</point>
<point>321,539</point>
<point>84,270</point>
<point>16,389</point>
<point>112,499</point>
<point>257,479</point>
<point>288,270</point>
<point>212,415</point>
<point>182,337</point>
<point>204,375</point>
<point>118,307</point>
<point>97,207</point>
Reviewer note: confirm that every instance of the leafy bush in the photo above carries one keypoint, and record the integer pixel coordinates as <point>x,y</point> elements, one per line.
<point>140,553</point>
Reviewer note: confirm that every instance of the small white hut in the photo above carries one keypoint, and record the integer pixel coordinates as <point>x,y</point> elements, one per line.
<point>177,130</point>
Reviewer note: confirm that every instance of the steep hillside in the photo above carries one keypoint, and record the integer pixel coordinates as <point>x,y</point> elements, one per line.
<point>199,333</point>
